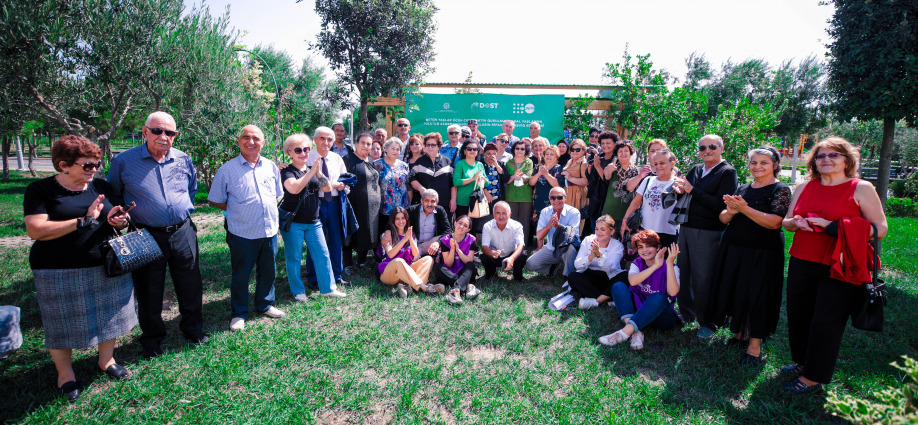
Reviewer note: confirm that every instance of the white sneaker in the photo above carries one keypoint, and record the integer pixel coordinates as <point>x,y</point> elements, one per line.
<point>237,324</point>
<point>588,303</point>
<point>300,297</point>
<point>471,292</point>
<point>335,293</point>
<point>273,312</point>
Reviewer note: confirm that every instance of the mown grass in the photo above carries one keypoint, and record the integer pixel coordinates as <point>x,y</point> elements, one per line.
<point>375,358</point>
<point>11,194</point>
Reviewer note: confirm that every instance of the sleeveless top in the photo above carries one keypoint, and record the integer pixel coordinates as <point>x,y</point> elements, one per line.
<point>404,254</point>
<point>830,203</point>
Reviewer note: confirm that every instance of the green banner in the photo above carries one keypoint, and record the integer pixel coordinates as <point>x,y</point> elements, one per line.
<point>432,112</point>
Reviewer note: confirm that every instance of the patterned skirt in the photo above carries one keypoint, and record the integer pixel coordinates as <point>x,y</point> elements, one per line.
<point>82,307</point>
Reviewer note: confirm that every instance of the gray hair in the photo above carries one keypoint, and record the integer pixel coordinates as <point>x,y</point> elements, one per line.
<point>390,142</point>
<point>535,124</point>
<point>324,130</point>
<point>501,204</point>
<point>158,114</point>
<point>771,153</point>
<point>430,192</point>
<point>714,137</point>
<point>452,126</point>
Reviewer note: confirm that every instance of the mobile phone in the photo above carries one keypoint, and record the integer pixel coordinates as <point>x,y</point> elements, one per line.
<point>813,226</point>
<point>124,210</point>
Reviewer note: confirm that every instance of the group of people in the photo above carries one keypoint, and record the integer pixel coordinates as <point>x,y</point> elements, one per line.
<point>666,247</point>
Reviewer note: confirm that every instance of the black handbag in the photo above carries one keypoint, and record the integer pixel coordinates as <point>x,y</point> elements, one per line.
<point>286,217</point>
<point>127,252</point>
<point>869,315</point>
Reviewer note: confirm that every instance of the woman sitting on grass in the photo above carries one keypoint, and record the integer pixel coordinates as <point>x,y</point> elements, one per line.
<point>597,265</point>
<point>458,267</point>
<point>402,263</point>
<point>650,297</point>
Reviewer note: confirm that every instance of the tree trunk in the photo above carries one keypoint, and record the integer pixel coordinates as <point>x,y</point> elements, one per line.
<point>889,131</point>
<point>7,142</point>
<point>33,143</point>
<point>364,122</point>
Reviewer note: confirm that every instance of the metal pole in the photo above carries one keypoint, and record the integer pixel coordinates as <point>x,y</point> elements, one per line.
<point>352,128</point>
<point>793,173</point>
<point>19,154</point>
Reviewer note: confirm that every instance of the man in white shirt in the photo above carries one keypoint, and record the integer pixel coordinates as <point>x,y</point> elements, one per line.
<point>554,215</point>
<point>502,244</point>
<point>329,209</point>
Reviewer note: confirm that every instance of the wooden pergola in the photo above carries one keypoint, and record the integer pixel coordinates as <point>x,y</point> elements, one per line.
<point>599,104</point>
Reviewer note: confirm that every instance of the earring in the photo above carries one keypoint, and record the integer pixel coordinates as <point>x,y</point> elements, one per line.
<point>66,172</point>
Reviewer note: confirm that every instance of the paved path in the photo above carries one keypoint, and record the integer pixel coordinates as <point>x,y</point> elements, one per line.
<point>40,164</point>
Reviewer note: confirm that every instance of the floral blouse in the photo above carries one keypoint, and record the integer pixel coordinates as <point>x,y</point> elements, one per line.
<point>393,182</point>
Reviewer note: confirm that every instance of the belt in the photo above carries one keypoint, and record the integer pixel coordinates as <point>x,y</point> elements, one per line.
<point>168,229</point>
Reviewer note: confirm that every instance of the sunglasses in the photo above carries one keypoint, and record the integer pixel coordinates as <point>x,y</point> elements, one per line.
<point>712,147</point>
<point>556,198</point>
<point>821,156</point>
<point>452,133</point>
<point>576,149</point>
<point>401,125</point>
<point>471,149</point>
<point>157,131</point>
<point>300,151</point>
<point>88,166</point>
<point>521,148</point>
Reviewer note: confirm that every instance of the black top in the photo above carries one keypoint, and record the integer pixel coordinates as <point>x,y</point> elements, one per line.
<point>708,195</point>
<point>434,174</point>
<point>309,211</point>
<point>742,231</point>
<point>78,249</point>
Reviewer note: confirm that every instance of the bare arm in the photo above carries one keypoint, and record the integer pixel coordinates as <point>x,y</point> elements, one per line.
<point>793,223</point>
<point>871,207</point>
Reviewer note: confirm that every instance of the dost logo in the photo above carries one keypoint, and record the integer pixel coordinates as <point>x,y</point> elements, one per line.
<point>446,105</point>
<point>483,105</point>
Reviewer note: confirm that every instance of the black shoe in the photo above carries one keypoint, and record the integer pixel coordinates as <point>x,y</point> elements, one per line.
<point>552,269</point>
<point>70,390</point>
<point>489,276</point>
<point>797,386</point>
<point>197,339</point>
<point>118,372</point>
<point>520,280</point>
<point>313,286</point>
<point>792,369</point>
<point>749,359</point>
<point>150,352</point>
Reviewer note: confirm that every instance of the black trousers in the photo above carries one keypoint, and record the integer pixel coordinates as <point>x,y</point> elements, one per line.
<point>180,254</point>
<point>348,259</point>
<point>492,264</point>
<point>593,283</point>
<point>818,308</point>
<point>460,280</point>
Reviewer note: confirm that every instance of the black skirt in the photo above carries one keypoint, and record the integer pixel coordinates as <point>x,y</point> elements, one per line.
<point>748,290</point>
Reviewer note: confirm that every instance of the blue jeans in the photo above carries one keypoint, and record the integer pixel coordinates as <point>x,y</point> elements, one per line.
<point>246,254</point>
<point>330,217</point>
<point>655,310</point>
<point>293,254</point>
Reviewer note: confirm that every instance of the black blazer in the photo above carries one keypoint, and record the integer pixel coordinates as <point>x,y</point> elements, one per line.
<point>441,220</point>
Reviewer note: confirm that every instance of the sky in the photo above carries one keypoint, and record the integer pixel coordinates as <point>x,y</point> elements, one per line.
<point>569,41</point>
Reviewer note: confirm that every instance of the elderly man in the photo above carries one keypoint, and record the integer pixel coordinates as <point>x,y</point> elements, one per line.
<point>507,128</point>
<point>329,210</point>
<point>380,135</point>
<point>534,130</point>
<point>430,222</point>
<point>247,188</point>
<point>402,127</point>
<point>554,215</point>
<point>162,182</point>
<point>473,126</point>
<point>453,133</point>
<point>502,244</point>
<point>340,147</point>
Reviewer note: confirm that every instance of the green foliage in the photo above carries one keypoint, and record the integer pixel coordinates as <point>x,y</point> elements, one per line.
<point>376,47</point>
<point>743,127</point>
<point>893,406</point>
<point>910,187</point>
<point>901,207</point>
<point>578,119</point>
<point>637,80</point>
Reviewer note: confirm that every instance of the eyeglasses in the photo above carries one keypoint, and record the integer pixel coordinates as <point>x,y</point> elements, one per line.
<point>432,145</point>
<point>89,165</point>
<point>556,198</point>
<point>520,148</point>
<point>593,136</point>
<point>157,131</point>
<point>576,149</point>
<point>712,147</point>
<point>471,149</point>
<point>401,125</point>
<point>452,133</point>
<point>830,155</point>
<point>300,151</point>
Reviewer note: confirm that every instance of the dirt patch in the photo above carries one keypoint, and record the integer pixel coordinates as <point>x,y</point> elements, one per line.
<point>381,414</point>
<point>650,376</point>
<point>481,354</point>
<point>337,417</point>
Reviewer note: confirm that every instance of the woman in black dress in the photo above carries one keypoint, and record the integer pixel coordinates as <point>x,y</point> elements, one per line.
<point>365,198</point>
<point>751,276</point>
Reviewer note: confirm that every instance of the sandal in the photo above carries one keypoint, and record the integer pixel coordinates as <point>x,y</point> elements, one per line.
<point>799,387</point>
<point>614,339</point>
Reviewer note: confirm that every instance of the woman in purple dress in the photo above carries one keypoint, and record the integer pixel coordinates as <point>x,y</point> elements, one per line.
<point>402,264</point>
<point>457,268</point>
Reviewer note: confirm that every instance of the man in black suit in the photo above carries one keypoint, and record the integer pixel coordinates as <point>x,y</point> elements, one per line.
<point>429,222</point>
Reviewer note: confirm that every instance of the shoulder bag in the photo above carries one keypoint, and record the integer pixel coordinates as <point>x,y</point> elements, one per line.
<point>125,253</point>
<point>869,315</point>
<point>478,202</point>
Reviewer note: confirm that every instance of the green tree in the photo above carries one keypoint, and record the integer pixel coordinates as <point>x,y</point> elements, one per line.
<point>578,119</point>
<point>873,67</point>
<point>376,47</point>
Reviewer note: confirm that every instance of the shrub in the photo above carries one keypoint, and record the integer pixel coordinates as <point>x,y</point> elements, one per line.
<point>911,186</point>
<point>901,207</point>
<point>893,406</point>
<point>897,188</point>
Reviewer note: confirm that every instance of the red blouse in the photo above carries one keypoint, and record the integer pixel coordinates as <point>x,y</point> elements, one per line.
<point>830,203</point>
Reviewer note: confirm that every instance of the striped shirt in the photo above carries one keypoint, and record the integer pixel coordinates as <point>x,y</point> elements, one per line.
<point>164,191</point>
<point>250,194</point>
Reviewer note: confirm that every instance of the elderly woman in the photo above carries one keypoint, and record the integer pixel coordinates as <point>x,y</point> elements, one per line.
<point>598,185</point>
<point>618,197</point>
<point>434,171</point>
<point>818,305</point>
<point>451,148</point>
<point>649,198</point>
<point>547,176</point>
<point>413,152</point>
<point>516,181</point>
<point>653,147</point>
<point>575,175</point>
<point>457,267</point>
<point>402,263</point>
<point>302,187</point>
<point>393,179</point>
<point>538,146</point>
<point>699,237</point>
<point>647,299</point>
<point>69,216</point>
<point>751,275</point>
<point>468,174</point>
<point>597,265</point>
<point>365,198</point>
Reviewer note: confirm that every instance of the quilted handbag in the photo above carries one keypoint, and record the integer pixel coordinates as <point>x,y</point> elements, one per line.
<point>127,252</point>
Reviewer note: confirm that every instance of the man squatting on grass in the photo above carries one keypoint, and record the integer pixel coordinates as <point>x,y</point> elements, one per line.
<point>502,244</point>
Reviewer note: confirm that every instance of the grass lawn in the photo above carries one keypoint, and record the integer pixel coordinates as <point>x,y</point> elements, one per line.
<point>11,193</point>
<point>375,358</point>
